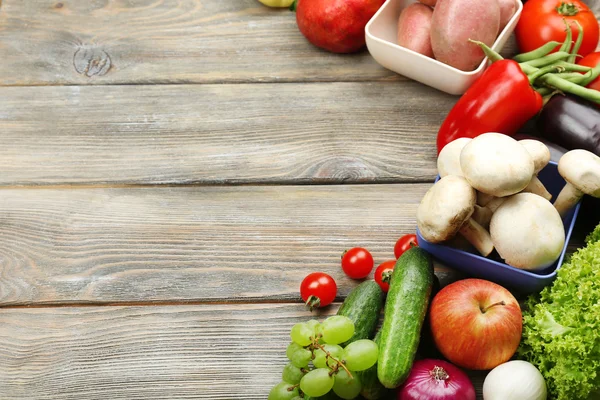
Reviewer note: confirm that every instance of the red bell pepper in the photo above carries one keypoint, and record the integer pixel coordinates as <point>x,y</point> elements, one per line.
<point>501,100</point>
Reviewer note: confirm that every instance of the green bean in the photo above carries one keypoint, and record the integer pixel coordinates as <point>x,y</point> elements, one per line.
<point>578,42</point>
<point>543,71</point>
<point>548,60</point>
<point>594,73</point>
<point>537,53</point>
<point>570,87</point>
<point>573,67</point>
<point>568,40</point>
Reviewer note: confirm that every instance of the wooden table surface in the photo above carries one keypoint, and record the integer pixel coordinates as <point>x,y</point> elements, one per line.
<point>170,171</point>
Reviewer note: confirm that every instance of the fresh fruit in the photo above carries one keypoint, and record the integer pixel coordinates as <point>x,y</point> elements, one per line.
<point>542,21</point>
<point>277,3</point>
<point>363,306</point>
<point>318,290</point>
<point>298,355</point>
<point>592,60</point>
<point>383,274</point>
<point>283,391</point>
<point>291,374</point>
<point>405,310</point>
<point>476,324</point>
<point>337,329</point>
<point>346,386</point>
<point>360,355</point>
<point>357,263</point>
<point>372,389</point>
<point>336,25</point>
<point>322,359</point>
<point>317,382</point>
<point>404,243</point>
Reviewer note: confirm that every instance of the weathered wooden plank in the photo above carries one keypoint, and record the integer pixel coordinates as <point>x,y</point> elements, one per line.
<point>174,352</point>
<point>190,244</point>
<point>247,133</point>
<point>165,41</point>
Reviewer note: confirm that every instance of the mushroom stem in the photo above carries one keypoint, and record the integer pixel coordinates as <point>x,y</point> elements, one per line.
<point>482,215</point>
<point>537,187</point>
<point>567,198</point>
<point>477,236</point>
<point>495,203</point>
<point>483,198</point>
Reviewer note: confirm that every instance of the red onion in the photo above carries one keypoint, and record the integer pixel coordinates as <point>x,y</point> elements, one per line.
<point>436,380</point>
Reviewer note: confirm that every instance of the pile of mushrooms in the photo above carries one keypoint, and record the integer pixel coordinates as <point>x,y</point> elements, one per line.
<point>489,193</point>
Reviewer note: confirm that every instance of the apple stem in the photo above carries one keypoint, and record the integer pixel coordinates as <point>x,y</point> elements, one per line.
<point>500,303</point>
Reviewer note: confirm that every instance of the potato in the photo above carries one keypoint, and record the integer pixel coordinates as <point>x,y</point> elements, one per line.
<point>507,10</point>
<point>430,3</point>
<point>414,26</point>
<point>454,22</point>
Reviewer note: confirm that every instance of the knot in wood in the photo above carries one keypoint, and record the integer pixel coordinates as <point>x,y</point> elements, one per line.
<point>91,61</point>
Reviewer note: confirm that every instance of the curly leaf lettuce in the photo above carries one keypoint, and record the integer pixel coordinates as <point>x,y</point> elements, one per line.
<point>561,327</point>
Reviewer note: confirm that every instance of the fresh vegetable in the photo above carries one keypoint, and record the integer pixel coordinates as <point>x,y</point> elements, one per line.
<point>448,162</point>
<point>514,380</point>
<point>372,389</point>
<point>581,170</point>
<point>528,232</point>
<point>430,3</point>
<point>436,379</point>
<point>542,21</point>
<point>404,243</point>
<point>405,310</point>
<point>571,122</point>
<point>507,10</point>
<point>476,324</point>
<point>592,60</point>
<point>318,290</point>
<point>357,263</point>
<point>277,3</point>
<point>446,210</point>
<point>560,331</point>
<point>335,25</point>
<point>383,274</point>
<point>414,26</point>
<point>454,22</point>
<point>363,306</point>
<point>501,100</point>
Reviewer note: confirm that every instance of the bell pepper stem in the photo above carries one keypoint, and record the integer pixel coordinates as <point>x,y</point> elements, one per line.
<point>569,39</point>
<point>491,54</point>
<point>549,59</point>
<point>537,53</point>
<point>577,45</point>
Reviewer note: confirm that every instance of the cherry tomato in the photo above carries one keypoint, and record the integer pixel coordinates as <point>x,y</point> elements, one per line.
<point>542,21</point>
<point>405,243</point>
<point>383,274</point>
<point>318,290</point>
<point>592,60</point>
<point>357,263</point>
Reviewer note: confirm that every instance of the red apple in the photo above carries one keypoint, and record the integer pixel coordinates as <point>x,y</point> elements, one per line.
<point>336,25</point>
<point>476,324</point>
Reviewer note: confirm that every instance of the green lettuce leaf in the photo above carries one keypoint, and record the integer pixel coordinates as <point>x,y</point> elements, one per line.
<point>561,327</point>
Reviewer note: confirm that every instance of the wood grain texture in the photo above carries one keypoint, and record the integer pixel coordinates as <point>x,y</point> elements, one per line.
<point>243,243</point>
<point>213,134</point>
<point>164,41</point>
<point>183,352</point>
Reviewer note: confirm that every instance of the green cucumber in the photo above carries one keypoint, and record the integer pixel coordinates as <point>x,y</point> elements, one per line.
<point>372,389</point>
<point>363,306</point>
<point>405,310</point>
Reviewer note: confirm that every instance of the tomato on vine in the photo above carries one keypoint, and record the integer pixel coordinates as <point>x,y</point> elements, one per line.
<point>318,290</point>
<point>357,263</point>
<point>404,243</point>
<point>383,274</point>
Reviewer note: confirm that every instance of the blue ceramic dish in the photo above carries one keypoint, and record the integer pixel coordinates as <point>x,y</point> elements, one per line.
<point>512,278</point>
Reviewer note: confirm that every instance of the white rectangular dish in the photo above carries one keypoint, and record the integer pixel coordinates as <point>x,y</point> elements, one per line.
<point>381,33</point>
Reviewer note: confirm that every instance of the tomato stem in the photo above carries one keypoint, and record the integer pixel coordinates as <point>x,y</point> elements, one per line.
<point>312,302</point>
<point>567,9</point>
<point>294,5</point>
<point>484,310</point>
<point>386,276</point>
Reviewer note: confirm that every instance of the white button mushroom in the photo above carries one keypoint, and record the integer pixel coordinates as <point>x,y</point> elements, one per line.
<point>448,162</point>
<point>446,210</point>
<point>527,231</point>
<point>581,170</point>
<point>540,154</point>
<point>496,164</point>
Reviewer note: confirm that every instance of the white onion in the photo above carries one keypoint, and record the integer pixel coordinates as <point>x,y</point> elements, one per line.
<point>514,380</point>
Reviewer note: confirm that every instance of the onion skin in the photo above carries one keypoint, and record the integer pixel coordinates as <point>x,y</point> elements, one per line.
<point>436,380</point>
<point>515,380</point>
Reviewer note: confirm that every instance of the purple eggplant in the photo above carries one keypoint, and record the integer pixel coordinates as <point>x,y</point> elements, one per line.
<point>571,122</point>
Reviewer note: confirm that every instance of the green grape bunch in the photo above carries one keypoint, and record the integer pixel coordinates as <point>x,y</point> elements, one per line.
<point>318,366</point>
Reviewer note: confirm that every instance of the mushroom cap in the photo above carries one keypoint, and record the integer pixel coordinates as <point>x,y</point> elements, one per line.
<point>527,231</point>
<point>581,169</point>
<point>448,162</point>
<point>445,208</point>
<point>538,151</point>
<point>496,164</point>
